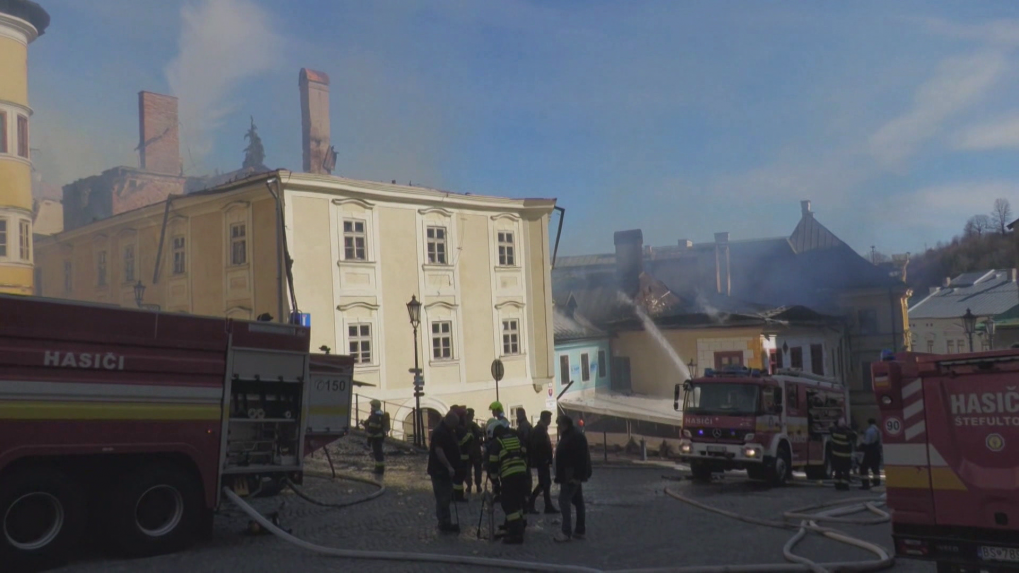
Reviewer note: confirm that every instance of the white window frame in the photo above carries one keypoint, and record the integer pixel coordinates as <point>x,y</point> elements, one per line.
<point>436,247</point>
<point>235,239</point>
<point>179,263</point>
<point>359,339</point>
<point>18,142</point>
<point>133,260</point>
<point>25,240</point>
<point>506,251</point>
<point>439,337</point>
<point>510,334</point>
<point>354,234</point>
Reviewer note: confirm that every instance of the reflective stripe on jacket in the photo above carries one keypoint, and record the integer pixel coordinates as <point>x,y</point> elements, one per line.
<point>375,427</point>
<point>507,457</point>
<point>841,443</point>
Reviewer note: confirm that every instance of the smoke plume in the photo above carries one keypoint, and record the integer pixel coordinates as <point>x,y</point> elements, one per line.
<point>222,44</point>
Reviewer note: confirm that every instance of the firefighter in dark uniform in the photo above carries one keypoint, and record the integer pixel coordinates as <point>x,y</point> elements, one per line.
<point>375,429</point>
<point>463,439</point>
<point>476,457</point>
<point>507,463</point>
<point>842,439</point>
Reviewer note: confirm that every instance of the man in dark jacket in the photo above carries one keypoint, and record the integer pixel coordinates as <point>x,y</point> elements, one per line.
<point>463,439</point>
<point>572,469</point>
<point>376,433</point>
<point>541,458</point>
<point>524,431</point>
<point>443,461</point>
<point>842,438</point>
<point>507,463</point>
<point>476,457</point>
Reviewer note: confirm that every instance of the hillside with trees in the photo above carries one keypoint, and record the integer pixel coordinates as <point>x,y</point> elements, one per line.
<point>985,243</point>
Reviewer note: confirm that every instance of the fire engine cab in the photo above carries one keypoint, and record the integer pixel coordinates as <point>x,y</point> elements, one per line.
<point>768,425</point>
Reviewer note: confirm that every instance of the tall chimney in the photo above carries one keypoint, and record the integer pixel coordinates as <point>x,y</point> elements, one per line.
<point>805,209</point>
<point>722,281</point>
<point>315,121</point>
<point>159,145</point>
<point>629,260</point>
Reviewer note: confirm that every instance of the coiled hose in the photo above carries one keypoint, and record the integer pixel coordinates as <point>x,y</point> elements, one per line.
<point>809,522</point>
<point>382,489</point>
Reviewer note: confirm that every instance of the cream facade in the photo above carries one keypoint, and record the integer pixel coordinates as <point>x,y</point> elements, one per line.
<point>479,265</point>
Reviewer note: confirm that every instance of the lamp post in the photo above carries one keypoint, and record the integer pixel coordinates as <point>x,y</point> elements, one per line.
<point>139,293</point>
<point>414,310</point>
<point>692,368</point>
<point>989,326</point>
<point>969,323</point>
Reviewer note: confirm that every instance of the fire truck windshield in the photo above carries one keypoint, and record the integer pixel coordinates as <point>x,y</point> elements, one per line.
<point>722,399</point>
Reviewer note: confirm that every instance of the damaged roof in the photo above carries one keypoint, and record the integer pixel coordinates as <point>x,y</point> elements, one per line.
<point>569,325</point>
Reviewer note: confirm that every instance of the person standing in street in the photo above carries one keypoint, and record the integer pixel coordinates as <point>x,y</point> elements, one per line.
<point>443,458</point>
<point>572,469</point>
<point>507,462</point>
<point>871,456</point>
<point>476,458</point>
<point>540,452</point>
<point>524,430</point>
<point>375,428</point>
<point>842,453</point>
<point>463,438</point>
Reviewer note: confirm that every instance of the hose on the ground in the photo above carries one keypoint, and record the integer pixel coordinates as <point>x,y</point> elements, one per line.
<point>398,555</point>
<point>382,489</point>
<point>796,563</point>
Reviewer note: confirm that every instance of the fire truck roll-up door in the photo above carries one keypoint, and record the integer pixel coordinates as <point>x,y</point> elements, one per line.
<point>329,399</point>
<point>263,432</point>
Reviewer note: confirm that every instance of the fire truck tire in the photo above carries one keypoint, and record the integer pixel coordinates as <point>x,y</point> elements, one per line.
<point>781,469</point>
<point>156,509</point>
<point>44,519</point>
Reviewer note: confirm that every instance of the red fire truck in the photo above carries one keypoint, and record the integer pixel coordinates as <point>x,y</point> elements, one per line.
<point>133,421</point>
<point>950,426</point>
<point>768,425</point>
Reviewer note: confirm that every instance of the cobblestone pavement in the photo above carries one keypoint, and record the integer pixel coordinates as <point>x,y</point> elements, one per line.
<point>631,523</point>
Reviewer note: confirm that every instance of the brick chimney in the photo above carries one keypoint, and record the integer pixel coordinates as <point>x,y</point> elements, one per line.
<point>318,154</point>
<point>159,145</point>
<point>805,209</point>
<point>722,281</point>
<point>629,260</point>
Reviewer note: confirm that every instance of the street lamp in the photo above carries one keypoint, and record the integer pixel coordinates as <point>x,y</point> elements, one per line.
<point>989,326</point>
<point>692,368</point>
<point>139,293</point>
<point>414,310</point>
<point>969,323</point>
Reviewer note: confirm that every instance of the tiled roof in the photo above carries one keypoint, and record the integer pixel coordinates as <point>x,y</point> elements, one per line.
<point>986,293</point>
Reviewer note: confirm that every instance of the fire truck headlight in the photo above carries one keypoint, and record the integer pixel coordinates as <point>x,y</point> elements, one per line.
<point>749,437</point>
<point>886,400</point>
<point>687,434</point>
<point>751,452</point>
<point>685,448</point>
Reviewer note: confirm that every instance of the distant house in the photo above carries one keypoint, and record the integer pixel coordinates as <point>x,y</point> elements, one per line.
<point>936,321</point>
<point>806,301</point>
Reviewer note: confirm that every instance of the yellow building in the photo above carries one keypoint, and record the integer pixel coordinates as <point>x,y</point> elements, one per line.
<point>21,22</point>
<point>479,265</point>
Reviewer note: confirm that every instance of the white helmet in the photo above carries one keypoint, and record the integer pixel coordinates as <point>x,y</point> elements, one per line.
<point>493,423</point>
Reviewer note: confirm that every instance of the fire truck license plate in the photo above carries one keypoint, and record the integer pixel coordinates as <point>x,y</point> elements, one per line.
<point>1010,554</point>
<point>719,449</point>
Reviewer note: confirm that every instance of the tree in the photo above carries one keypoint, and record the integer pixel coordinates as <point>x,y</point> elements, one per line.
<point>977,226</point>
<point>1001,215</point>
<point>254,153</point>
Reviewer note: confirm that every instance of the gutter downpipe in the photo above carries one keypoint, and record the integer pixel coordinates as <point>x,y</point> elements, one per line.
<point>279,247</point>
<point>555,251</point>
<point>162,237</point>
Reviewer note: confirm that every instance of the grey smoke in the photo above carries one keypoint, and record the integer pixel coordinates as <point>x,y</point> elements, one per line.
<point>222,43</point>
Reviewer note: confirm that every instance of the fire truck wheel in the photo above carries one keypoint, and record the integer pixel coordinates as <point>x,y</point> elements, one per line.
<point>782,468</point>
<point>43,514</point>
<point>154,510</point>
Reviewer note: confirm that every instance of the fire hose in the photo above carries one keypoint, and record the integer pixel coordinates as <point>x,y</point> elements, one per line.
<point>833,513</point>
<point>382,489</point>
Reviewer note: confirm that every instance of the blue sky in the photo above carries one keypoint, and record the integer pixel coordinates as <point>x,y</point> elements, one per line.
<point>898,120</point>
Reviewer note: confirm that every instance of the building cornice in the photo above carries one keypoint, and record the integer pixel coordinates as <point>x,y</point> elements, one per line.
<point>14,28</point>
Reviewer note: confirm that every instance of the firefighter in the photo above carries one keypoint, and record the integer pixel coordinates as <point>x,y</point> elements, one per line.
<point>475,456</point>
<point>375,428</point>
<point>842,438</point>
<point>507,462</point>
<point>871,456</point>
<point>463,439</point>
<point>497,411</point>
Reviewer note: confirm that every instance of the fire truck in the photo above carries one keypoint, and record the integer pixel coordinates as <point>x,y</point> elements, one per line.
<point>124,425</point>
<point>950,426</point>
<point>768,425</point>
